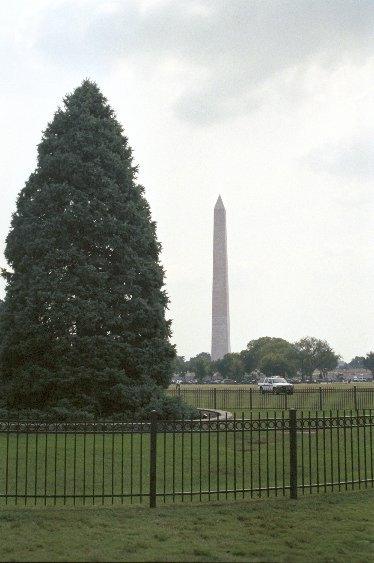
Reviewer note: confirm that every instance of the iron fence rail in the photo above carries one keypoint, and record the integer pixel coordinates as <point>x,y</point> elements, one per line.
<point>256,455</point>
<point>305,398</point>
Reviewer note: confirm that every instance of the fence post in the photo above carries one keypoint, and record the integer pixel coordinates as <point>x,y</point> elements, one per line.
<point>355,396</point>
<point>152,460</point>
<point>214,397</point>
<point>293,454</point>
<point>320,399</point>
<point>178,389</point>
<point>250,398</point>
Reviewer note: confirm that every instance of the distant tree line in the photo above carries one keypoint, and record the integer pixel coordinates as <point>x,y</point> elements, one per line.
<point>361,362</point>
<point>271,356</point>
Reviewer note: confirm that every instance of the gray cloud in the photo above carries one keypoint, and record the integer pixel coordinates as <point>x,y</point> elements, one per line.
<point>352,161</point>
<point>236,47</point>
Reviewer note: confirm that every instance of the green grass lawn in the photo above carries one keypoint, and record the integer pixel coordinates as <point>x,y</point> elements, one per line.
<point>321,528</point>
<point>248,397</point>
<point>336,385</point>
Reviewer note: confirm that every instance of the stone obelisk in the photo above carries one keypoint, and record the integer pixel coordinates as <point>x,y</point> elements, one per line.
<point>220,292</point>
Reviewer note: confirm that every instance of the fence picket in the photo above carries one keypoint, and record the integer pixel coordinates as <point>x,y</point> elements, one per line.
<point>153,461</point>
<point>293,453</point>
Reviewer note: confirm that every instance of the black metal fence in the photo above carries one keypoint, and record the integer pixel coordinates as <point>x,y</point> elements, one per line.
<point>272,454</point>
<point>303,398</point>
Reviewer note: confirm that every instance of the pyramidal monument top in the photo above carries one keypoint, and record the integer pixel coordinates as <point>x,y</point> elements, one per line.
<point>219,203</point>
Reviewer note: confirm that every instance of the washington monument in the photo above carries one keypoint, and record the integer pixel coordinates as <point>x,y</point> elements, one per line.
<point>220,292</point>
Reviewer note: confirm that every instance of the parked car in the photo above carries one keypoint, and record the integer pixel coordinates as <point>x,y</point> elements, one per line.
<point>275,385</point>
<point>359,379</point>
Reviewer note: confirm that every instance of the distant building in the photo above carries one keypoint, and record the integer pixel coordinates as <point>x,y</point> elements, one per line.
<point>347,374</point>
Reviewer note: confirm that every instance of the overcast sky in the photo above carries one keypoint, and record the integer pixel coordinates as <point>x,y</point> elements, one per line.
<point>269,103</point>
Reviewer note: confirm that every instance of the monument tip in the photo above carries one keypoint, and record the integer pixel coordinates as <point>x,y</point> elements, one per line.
<point>219,202</point>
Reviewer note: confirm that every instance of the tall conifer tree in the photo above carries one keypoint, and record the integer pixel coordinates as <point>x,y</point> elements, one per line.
<point>83,321</point>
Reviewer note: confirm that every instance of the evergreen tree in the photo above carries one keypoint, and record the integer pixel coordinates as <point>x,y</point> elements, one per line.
<point>83,322</point>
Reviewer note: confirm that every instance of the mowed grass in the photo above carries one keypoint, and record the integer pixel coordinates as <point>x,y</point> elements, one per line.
<point>338,385</point>
<point>59,469</point>
<point>236,398</point>
<point>334,528</point>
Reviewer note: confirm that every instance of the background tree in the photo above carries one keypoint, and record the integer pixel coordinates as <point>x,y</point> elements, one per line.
<point>275,355</point>
<point>231,366</point>
<point>315,354</point>
<point>248,360</point>
<point>201,366</point>
<point>357,362</point>
<point>179,366</point>
<point>276,364</point>
<point>83,321</point>
<point>369,362</point>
